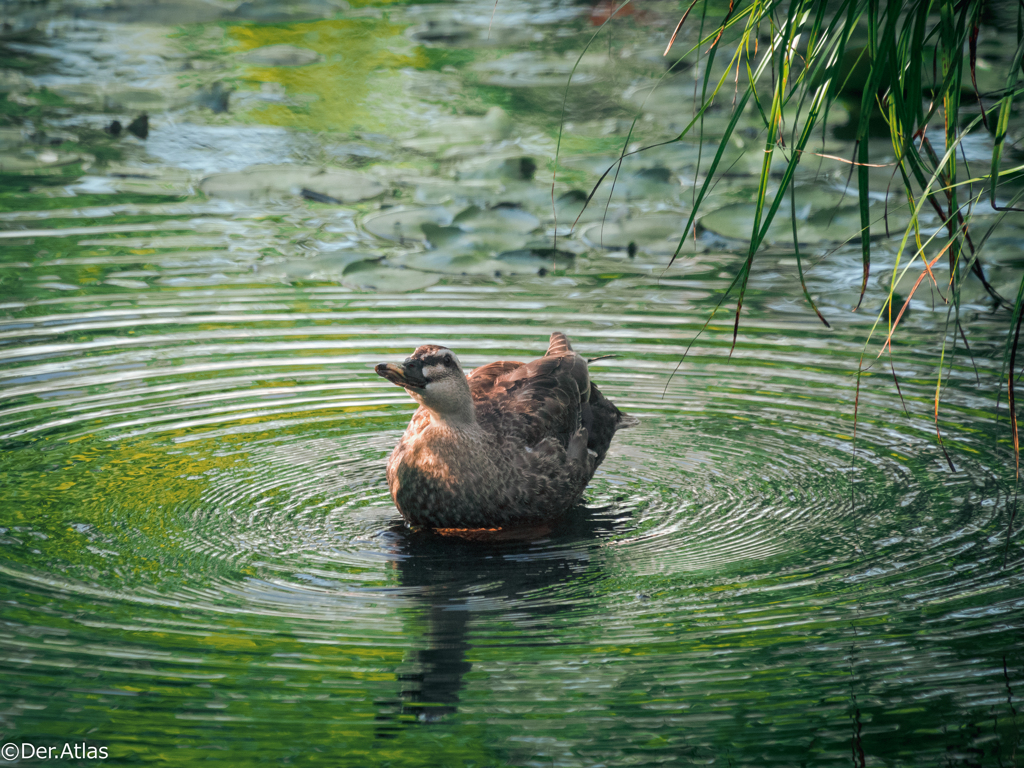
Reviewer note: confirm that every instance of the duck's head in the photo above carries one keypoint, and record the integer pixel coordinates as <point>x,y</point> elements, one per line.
<point>433,377</point>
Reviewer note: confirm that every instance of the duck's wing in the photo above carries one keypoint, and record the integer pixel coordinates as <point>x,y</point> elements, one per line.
<point>598,415</point>
<point>534,401</point>
<point>516,402</point>
<point>550,397</point>
<point>481,381</point>
<point>576,366</point>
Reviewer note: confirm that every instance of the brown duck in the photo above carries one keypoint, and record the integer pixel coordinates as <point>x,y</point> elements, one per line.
<point>511,444</point>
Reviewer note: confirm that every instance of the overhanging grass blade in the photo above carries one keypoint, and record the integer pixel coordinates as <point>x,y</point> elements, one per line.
<point>796,249</point>
<point>1002,123</point>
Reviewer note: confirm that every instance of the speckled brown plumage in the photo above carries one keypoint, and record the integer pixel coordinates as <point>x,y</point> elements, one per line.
<point>511,444</point>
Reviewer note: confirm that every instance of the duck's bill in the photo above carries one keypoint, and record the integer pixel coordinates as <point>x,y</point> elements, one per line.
<point>401,376</point>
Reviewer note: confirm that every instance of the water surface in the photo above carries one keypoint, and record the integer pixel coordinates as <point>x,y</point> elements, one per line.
<point>200,560</point>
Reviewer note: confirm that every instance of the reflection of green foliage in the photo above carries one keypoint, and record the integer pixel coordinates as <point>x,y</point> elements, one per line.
<point>22,62</point>
<point>17,201</point>
<point>127,218</point>
<point>584,103</point>
<point>201,41</point>
<point>13,112</point>
<point>103,148</point>
<point>574,143</point>
<point>498,97</point>
<point>437,58</point>
<point>99,486</point>
<point>329,94</point>
<point>12,184</point>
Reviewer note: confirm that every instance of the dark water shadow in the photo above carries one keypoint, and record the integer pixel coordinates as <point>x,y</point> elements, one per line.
<point>456,578</point>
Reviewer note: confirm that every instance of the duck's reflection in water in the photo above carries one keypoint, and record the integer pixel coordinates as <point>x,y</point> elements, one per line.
<point>456,576</point>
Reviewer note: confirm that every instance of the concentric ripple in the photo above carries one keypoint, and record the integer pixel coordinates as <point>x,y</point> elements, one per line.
<point>200,520</point>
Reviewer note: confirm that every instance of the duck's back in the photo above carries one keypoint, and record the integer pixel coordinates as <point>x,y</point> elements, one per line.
<point>520,405</point>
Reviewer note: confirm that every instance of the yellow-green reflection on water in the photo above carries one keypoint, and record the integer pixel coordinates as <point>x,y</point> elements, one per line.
<point>352,86</point>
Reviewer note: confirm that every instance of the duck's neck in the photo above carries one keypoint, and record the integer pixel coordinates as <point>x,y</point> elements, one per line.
<point>451,405</point>
<point>460,420</point>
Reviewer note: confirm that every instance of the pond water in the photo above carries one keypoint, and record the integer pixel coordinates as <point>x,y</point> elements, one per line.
<point>199,558</point>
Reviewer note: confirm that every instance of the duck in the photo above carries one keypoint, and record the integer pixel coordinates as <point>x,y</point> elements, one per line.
<point>511,444</point>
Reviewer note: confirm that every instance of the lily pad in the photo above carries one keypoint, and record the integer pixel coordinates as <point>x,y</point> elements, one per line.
<point>13,81</point>
<point>12,137</point>
<point>148,180</point>
<point>443,31</point>
<point>269,181</point>
<point>813,225</point>
<point>329,266</point>
<point>116,97</point>
<point>177,12</point>
<point>483,242</point>
<point>660,97</point>
<point>39,164</point>
<point>370,276</point>
<point>494,126</point>
<point>632,182</point>
<point>276,12</point>
<point>515,168</point>
<point>453,263</point>
<point>572,210</point>
<point>653,233</point>
<point>473,192</point>
<point>533,260</point>
<point>1004,241</point>
<point>646,183</point>
<point>736,222</point>
<point>438,237</point>
<point>405,224</point>
<point>529,70</point>
<point>503,217</point>
<point>281,56</point>
<point>135,99</point>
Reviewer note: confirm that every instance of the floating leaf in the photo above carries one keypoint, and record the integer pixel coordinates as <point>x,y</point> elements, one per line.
<point>402,224</point>
<point>269,181</point>
<point>532,260</point>
<point>372,276</point>
<point>330,266</point>
<point>280,56</point>
<point>529,70</point>
<point>655,233</point>
<point>494,126</point>
<point>453,263</point>
<point>501,218</point>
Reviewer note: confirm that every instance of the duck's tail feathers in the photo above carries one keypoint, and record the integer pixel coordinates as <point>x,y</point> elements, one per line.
<point>599,357</point>
<point>558,345</point>
<point>626,421</point>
